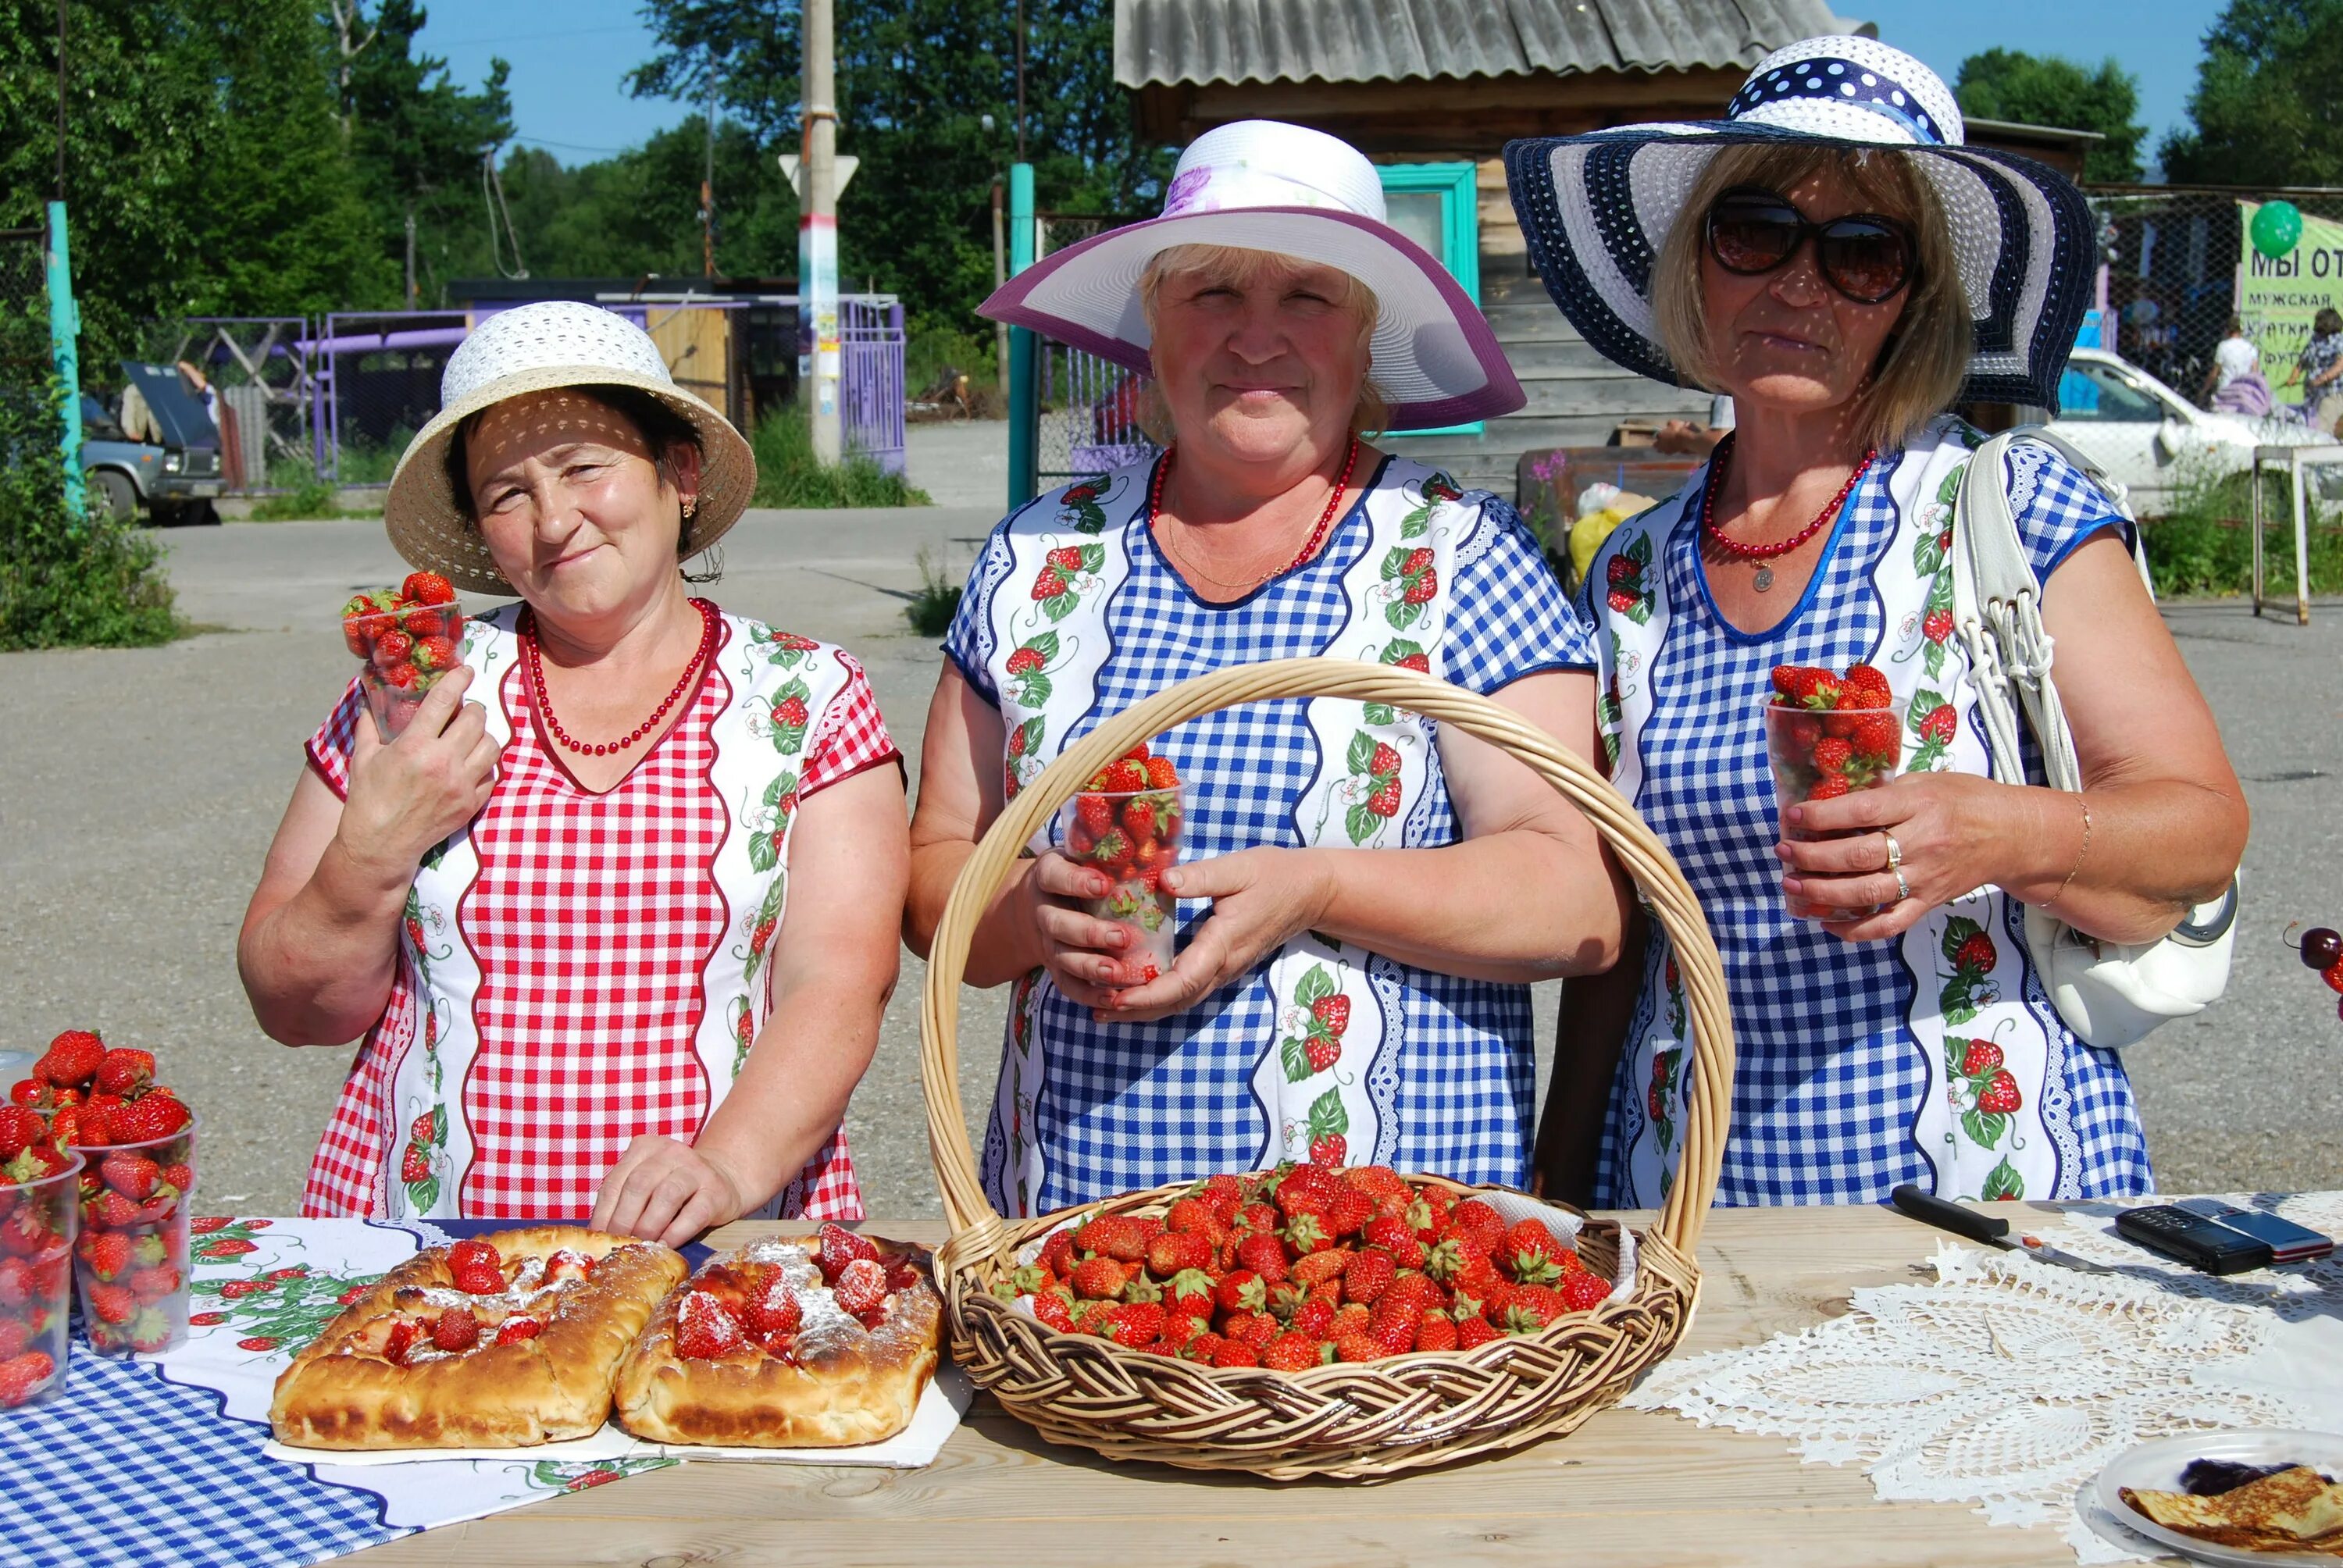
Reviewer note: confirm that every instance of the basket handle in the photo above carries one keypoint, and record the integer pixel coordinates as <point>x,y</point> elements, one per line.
<point>1672,901</point>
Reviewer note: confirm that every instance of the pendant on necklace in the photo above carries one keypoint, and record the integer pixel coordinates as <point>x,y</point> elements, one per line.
<point>1764,578</point>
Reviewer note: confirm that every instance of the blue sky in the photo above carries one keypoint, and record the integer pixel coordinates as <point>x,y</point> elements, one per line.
<point>570,57</point>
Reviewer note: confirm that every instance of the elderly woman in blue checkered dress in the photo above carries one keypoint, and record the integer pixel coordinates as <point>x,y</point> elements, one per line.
<point>1837,260</point>
<point>1364,896</point>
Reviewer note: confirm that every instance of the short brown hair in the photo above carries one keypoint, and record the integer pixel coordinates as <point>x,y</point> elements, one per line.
<point>1920,369</point>
<point>1240,265</point>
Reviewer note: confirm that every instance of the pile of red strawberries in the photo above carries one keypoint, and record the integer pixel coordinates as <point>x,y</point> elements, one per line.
<point>105,1101</point>
<point>1854,736</point>
<point>1132,840</point>
<point>89,1096</point>
<point>409,634</point>
<point>1304,1265</point>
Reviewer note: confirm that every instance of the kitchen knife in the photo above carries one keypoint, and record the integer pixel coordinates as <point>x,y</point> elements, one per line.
<point>1994,1231</point>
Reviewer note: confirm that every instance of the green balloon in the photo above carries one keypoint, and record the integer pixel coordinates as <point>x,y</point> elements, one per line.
<point>2278,226</point>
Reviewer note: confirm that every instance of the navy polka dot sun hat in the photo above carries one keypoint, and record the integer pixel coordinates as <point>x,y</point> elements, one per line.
<point>1596,208</point>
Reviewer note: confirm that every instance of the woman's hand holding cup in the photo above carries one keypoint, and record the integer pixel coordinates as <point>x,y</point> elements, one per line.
<point>1088,957</point>
<point>410,794</point>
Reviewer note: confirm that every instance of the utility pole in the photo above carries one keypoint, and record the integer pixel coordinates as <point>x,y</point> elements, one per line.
<point>999,276</point>
<point>817,362</point>
<point>707,192</point>
<point>1020,81</point>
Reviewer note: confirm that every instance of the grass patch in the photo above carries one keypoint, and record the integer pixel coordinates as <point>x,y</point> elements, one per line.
<point>309,497</point>
<point>787,475</point>
<point>928,354</point>
<point>931,610</point>
<point>2204,544</point>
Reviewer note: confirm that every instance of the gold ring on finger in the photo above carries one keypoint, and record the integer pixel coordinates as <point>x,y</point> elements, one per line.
<point>1895,851</point>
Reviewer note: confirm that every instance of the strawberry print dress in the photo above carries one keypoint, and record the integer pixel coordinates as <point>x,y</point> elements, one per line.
<point>1936,1058</point>
<point>577,968</point>
<point>1325,1049</point>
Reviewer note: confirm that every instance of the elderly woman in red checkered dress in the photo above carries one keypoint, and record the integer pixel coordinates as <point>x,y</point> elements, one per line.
<point>615,914</point>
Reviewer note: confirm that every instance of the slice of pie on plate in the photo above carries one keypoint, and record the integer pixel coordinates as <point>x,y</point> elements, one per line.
<point>823,1343</point>
<point>2296,1510</point>
<point>503,1341</point>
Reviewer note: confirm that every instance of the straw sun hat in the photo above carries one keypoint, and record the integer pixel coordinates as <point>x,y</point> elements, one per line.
<point>1262,184</point>
<point>540,349</point>
<point>1596,208</point>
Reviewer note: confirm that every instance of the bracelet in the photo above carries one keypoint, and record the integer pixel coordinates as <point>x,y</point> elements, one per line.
<point>2081,850</point>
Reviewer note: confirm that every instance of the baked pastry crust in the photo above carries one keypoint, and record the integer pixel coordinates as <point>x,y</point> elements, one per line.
<point>338,1395</point>
<point>842,1385</point>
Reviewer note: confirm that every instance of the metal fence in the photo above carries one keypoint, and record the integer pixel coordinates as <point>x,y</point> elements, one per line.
<point>872,393</point>
<point>373,377</point>
<point>2174,277</point>
<point>260,367</point>
<point>1091,408</point>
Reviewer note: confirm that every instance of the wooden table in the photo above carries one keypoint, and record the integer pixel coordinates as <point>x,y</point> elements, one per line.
<point>1629,1488</point>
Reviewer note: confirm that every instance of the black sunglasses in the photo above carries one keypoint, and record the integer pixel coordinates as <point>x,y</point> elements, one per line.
<point>1865,256</point>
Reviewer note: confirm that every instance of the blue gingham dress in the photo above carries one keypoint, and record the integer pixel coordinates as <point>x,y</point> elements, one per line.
<point>1936,1058</point>
<point>1070,615</point>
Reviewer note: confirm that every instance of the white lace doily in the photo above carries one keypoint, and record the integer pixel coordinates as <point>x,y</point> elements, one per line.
<point>2010,1383</point>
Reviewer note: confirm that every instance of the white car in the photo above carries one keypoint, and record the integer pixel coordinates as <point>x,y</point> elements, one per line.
<point>2142,429</point>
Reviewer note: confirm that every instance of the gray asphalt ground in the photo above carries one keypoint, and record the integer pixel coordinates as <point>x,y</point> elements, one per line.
<point>138,790</point>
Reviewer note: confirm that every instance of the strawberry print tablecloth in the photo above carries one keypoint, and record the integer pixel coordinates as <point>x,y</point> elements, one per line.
<point>156,1462</point>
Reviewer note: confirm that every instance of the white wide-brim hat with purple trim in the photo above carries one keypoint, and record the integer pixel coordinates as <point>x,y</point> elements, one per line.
<point>1596,208</point>
<point>1262,185</point>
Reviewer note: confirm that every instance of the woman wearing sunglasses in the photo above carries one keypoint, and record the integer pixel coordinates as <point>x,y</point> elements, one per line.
<point>1833,258</point>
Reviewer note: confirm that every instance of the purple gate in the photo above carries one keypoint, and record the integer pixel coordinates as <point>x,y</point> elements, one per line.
<point>870,379</point>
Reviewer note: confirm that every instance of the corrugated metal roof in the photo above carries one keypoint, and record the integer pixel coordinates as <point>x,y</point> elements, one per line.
<point>1388,40</point>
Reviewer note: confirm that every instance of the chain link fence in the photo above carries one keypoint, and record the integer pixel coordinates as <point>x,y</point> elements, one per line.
<point>2176,274</point>
<point>1091,408</point>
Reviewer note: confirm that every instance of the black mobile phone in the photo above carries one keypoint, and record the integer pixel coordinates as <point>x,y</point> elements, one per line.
<point>2289,1242</point>
<point>2205,1245</point>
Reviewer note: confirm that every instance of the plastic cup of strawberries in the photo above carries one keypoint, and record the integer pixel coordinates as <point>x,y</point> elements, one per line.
<point>1305,1265</point>
<point>136,1144</point>
<point>1126,823</point>
<point>409,636</point>
<point>39,1206</point>
<point>1828,735</point>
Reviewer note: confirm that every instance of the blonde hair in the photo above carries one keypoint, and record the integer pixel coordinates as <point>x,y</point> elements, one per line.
<point>1926,356</point>
<point>1236,267</point>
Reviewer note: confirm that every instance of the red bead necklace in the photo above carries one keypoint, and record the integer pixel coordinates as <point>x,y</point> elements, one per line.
<point>534,662</point>
<point>1733,549</point>
<point>1317,535</point>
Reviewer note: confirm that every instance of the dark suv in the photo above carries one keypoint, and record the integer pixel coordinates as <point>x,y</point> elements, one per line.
<point>176,478</point>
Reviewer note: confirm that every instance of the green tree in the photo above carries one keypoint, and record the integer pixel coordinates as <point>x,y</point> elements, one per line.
<point>2267,109</point>
<point>278,221</point>
<point>914,83</point>
<point>2046,90</point>
<point>416,140</point>
<point>639,212</point>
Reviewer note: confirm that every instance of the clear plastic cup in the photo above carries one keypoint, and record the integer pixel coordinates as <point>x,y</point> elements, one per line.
<point>1822,753</point>
<point>406,652</point>
<point>38,1220</point>
<point>1133,836</point>
<point>130,1262</point>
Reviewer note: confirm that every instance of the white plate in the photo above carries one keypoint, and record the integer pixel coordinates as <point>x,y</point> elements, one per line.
<point>2157,1467</point>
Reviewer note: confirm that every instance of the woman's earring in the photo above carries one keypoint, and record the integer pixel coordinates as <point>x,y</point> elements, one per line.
<point>690,505</point>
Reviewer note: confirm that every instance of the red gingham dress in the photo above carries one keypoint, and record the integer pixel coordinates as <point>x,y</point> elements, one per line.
<point>588,968</point>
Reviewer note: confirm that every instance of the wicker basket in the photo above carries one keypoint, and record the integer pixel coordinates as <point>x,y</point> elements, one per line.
<point>1367,1418</point>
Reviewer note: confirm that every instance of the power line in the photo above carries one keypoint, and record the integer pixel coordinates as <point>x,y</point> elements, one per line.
<point>430,42</point>
<point>565,146</point>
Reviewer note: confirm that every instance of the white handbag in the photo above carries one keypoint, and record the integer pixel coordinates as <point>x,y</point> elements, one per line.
<point>2109,993</point>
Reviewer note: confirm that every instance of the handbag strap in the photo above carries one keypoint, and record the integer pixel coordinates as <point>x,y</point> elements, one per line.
<point>1997,610</point>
